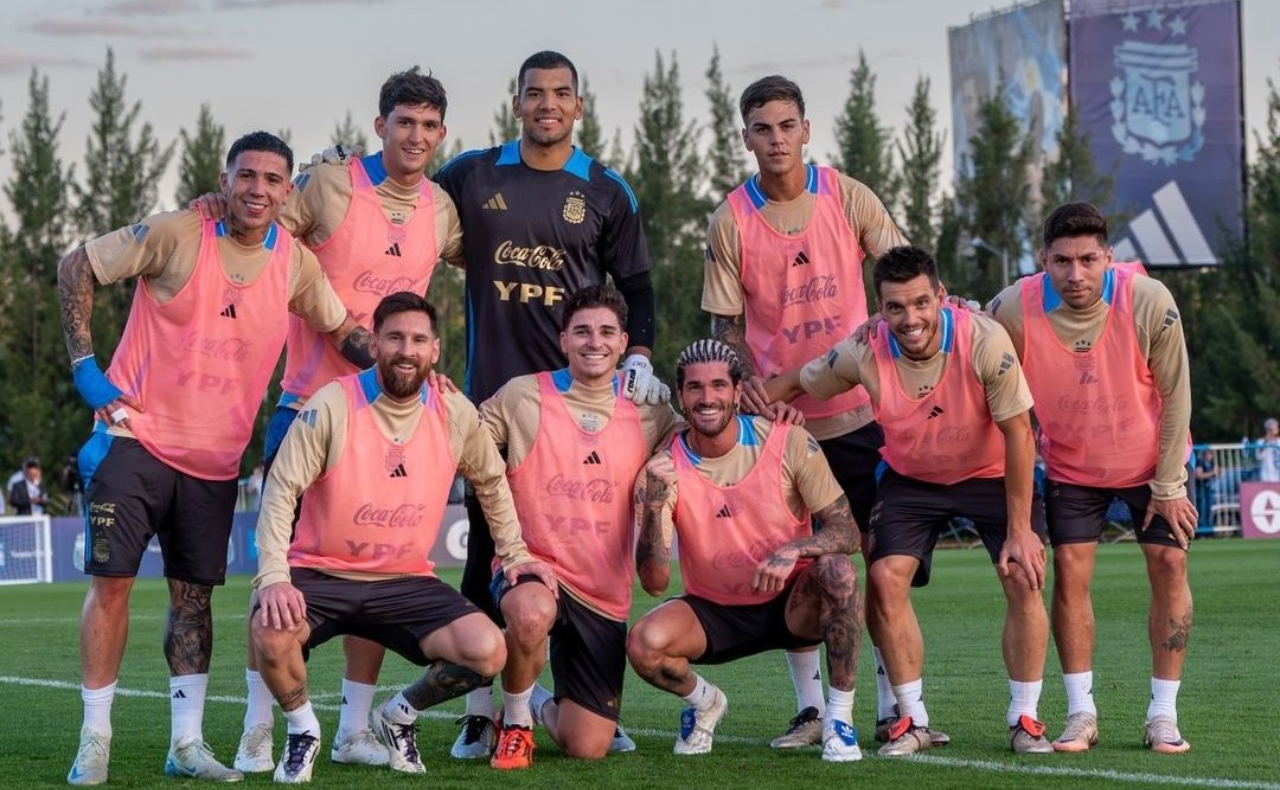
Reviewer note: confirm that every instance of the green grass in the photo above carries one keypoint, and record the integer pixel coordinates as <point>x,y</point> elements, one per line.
<point>1229,678</point>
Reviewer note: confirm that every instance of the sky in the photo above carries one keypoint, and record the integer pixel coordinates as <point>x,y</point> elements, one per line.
<point>302,64</point>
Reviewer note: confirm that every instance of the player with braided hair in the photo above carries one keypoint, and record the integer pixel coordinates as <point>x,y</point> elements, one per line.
<point>756,575</point>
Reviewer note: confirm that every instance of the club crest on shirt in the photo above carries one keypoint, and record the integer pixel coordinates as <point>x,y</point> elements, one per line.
<point>575,208</point>
<point>395,231</point>
<point>393,460</point>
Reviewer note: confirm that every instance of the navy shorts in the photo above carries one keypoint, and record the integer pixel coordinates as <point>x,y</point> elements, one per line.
<point>396,613</point>
<point>1077,514</point>
<point>911,514</point>
<point>130,495</point>
<point>735,632</point>
<point>588,652</point>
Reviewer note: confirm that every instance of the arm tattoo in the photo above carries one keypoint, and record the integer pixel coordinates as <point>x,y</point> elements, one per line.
<point>355,348</point>
<point>75,300</point>
<point>839,533</point>
<point>294,698</point>
<point>1179,633</point>
<point>731,331</point>
<point>188,635</point>
<point>651,550</point>
<point>442,681</point>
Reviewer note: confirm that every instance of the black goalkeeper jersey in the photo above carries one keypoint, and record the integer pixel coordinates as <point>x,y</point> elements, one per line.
<point>531,238</point>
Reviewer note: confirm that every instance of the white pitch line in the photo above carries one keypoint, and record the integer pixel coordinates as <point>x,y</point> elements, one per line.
<point>20,622</point>
<point>928,759</point>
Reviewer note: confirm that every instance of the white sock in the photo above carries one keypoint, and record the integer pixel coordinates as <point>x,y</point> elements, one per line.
<point>399,711</point>
<point>303,719</point>
<point>840,705</point>
<point>97,708</point>
<point>1079,687</point>
<point>539,697</point>
<point>884,689</point>
<point>806,676</point>
<point>186,705</point>
<point>353,715</point>
<point>515,708</point>
<point>702,695</point>
<point>480,703</point>
<point>1164,698</point>
<point>1024,700</point>
<point>257,709</point>
<point>910,698</point>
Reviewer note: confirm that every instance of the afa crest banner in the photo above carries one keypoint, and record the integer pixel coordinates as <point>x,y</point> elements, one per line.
<point>1158,89</point>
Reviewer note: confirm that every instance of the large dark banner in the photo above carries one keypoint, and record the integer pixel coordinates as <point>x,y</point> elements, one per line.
<point>1158,89</point>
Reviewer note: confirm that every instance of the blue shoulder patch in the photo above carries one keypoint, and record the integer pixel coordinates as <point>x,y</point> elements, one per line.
<point>369,384</point>
<point>579,164</point>
<point>509,154</point>
<point>374,168</point>
<point>563,380</point>
<point>473,153</point>
<point>631,196</point>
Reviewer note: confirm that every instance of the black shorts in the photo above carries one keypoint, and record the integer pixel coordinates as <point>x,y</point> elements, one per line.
<point>588,652</point>
<point>735,632</point>
<point>396,613</point>
<point>854,457</point>
<point>910,515</point>
<point>132,495</point>
<point>478,571</point>
<point>1077,514</point>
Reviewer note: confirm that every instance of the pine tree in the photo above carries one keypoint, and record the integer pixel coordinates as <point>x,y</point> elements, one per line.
<point>349,134</point>
<point>123,168</point>
<point>920,151</point>
<point>442,156</point>
<point>1076,176</point>
<point>590,137</point>
<point>725,159</point>
<point>992,200</point>
<point>865,147</point>
<point>667,179</point>
<point>506,127</point>
<point>201,162</point>
<point>42,414</point>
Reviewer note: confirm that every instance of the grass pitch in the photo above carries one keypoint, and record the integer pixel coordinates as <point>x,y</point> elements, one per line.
<point>1228,706</point>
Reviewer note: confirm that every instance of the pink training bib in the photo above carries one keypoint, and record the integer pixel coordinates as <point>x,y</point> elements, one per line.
<point>378,509</point>
<point>948,435</point>
<point>803,293</point>
<point>367,258</point>
<point>200,363</point>
<point>573,493</point>
<point>725,531</point>
<point>1099,410</point>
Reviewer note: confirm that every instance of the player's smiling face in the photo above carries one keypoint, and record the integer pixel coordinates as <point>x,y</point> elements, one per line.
<point>547,106</point>
<point>776,134</point>
<point>708,397</point>
<point>410,136</point>
<point>256,185</point>
<point>593,343</point>
<point>1076,266</point>
<point>911,310</point>
<point>405,348</point>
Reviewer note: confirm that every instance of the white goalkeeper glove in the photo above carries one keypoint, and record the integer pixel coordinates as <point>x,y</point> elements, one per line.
<point>334,155</point>
<point>640,384</point>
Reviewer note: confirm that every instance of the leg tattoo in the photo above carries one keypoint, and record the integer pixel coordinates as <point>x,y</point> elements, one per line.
<point>840,618</point>
<point>188,636</point>
<point>1179,633</point>
<point>442,681</point>
<point>294,698</point>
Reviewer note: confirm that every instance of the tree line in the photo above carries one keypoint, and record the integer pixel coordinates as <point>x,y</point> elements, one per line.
<point>680,167</point>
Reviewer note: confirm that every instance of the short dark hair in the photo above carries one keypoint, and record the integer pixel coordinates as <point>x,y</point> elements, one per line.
<point>767,89</point>
<point>594,296</point>
<point>412,88</point>
<point>403,302</point>
<point>546,59</point>
<point>904,264</point>
<point>708,350</point>
<point>261,141</point>
<point>1075,219</point>
<point>31,463</point>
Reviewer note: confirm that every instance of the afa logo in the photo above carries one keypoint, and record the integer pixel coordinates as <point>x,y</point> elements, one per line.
<point>575,208</point>
<point>1157,106</point>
